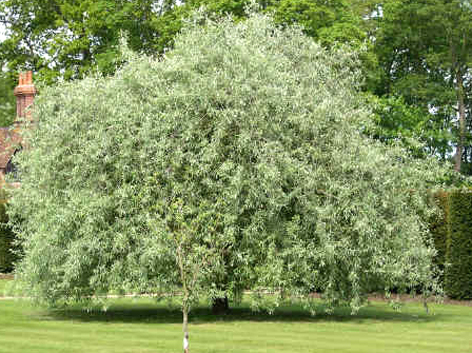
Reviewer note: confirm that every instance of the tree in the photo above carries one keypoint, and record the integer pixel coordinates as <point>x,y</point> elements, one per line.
<point>67,39</point>
<point>425,134</point>
<point>241,154</point>
<point>7,101</point>
<point>423,48</point>
<point>55,37</point>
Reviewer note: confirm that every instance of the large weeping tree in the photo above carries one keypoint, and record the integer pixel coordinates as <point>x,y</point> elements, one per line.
<point>238,161</point>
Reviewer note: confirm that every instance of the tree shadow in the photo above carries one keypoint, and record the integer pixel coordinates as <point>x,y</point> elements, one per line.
<point>157,313</point>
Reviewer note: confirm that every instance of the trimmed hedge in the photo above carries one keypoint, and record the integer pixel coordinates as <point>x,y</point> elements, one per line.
<point>6,239</point>
<point>439,231</point>
<point>452,235</point>
<point>458,279</point>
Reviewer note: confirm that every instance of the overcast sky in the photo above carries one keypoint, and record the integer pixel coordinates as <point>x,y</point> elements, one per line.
<point>2,32</point>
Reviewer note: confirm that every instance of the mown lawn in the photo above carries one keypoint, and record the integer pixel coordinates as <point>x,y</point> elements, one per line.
<point>141,325</point>
<point>3,284</point>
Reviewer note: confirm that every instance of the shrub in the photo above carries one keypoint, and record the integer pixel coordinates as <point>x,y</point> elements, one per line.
<point>458,279</point>
<point>7,257</point>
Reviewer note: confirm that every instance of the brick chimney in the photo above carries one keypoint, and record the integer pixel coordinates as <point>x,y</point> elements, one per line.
<point>24,92</point>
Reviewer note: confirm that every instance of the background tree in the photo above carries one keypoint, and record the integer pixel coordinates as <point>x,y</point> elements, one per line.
<point>424,52</point>
<point>7,101</point>
<point>62,38</point>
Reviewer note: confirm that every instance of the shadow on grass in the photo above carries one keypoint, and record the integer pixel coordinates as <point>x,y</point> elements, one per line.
<point>149,313</point>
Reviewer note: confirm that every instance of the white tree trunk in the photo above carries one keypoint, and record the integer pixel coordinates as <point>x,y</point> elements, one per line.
<point>185,329</point>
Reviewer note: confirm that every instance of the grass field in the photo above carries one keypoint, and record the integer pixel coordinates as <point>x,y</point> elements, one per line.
<point>141,325</point>
<point>3,284</point>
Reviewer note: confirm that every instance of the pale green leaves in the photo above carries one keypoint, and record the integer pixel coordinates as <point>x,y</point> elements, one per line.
<point>236,162</point>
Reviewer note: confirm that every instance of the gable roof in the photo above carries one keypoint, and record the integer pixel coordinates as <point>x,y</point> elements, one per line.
<point>9,142</point>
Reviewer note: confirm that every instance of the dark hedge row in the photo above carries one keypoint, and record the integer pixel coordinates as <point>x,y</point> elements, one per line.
<point>458,280</point>
<point>453,240</point>
<point>439,231</point>
<point>6,238</point>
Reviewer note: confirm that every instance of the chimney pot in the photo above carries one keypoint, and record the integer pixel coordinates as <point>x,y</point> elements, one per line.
<point>29,77</point>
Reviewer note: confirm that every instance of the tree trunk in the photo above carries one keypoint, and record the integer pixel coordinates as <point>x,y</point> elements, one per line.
<point>185,329</point>
<point>220,306</point>
<point>461,106</point>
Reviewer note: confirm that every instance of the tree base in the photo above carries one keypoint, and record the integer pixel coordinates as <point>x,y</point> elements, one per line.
<point>220,306</point>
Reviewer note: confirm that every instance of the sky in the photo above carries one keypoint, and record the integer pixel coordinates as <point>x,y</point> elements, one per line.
<point>2,32</point>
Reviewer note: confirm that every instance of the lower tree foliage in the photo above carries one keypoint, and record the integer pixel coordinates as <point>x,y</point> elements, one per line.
<point>237,161</point>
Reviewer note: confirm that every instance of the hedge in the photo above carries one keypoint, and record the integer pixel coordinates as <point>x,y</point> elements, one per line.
<point>7,257</point>
<point>458,275</point>
<point>439,231</point>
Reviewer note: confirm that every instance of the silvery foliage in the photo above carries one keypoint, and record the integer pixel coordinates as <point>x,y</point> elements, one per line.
<point>239,158</point>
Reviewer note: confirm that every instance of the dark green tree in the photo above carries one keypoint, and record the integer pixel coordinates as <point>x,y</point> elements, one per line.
<point>65,38</point>
<point>425,57</point>
<point>7,100</point>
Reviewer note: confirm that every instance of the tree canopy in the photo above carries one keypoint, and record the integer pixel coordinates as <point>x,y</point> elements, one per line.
<point>7,101</point>
<point>425,57</point>
<point>239,160</point>
<point>416,60</point>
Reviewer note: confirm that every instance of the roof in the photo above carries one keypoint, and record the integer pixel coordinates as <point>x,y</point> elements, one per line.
<point>9,141</point>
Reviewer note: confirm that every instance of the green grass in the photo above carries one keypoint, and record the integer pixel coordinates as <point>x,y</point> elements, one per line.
<point>141,325</point>
<point>3,286</point>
